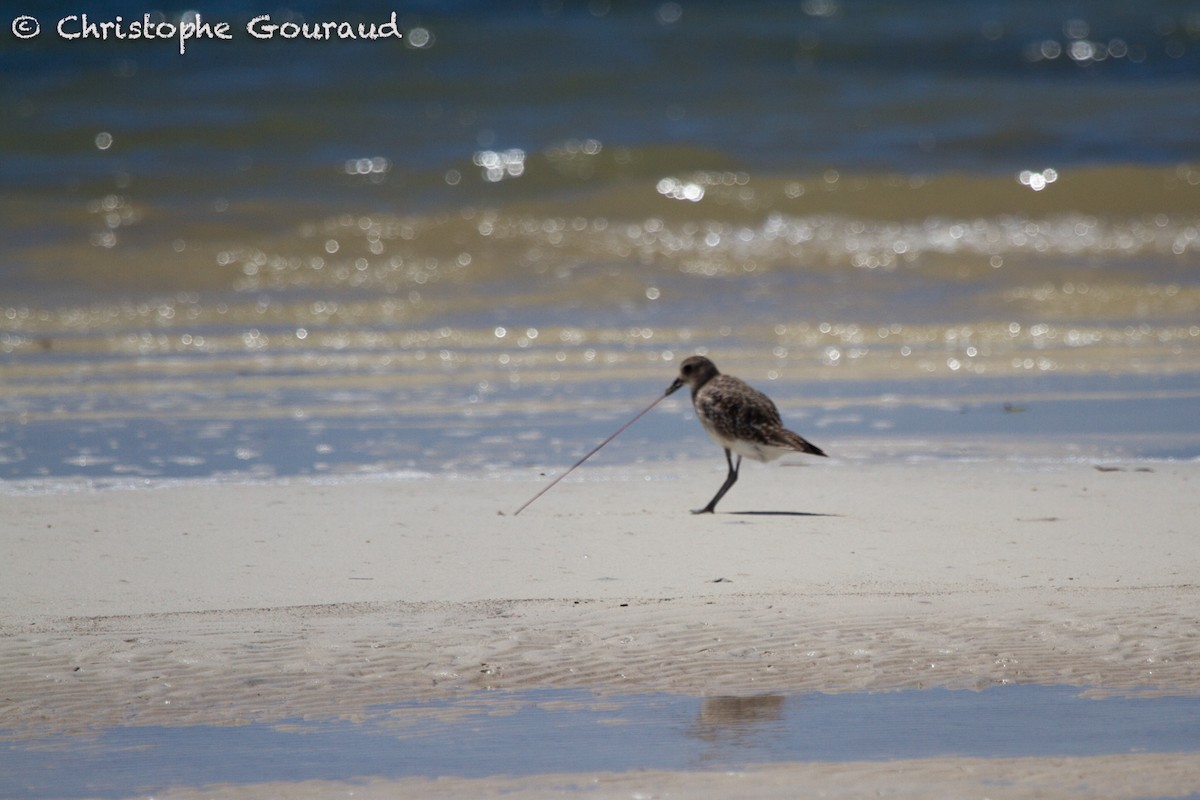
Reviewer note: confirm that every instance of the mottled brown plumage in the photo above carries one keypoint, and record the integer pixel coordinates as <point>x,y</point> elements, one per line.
<point>738,417</point>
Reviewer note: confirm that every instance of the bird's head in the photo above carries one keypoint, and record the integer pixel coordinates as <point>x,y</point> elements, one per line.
<point>694,372</point>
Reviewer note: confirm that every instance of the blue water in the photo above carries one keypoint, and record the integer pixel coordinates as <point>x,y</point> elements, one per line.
<point>540,731</point>
<point>370,433</point>
<point>911,87</point>
<point>832,199</point>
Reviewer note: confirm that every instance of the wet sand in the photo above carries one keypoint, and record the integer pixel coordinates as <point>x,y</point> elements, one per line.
<point>220,604</point>
<point>1143,775</point>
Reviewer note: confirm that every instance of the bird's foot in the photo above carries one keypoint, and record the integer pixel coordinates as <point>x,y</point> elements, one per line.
<point>707,510</point>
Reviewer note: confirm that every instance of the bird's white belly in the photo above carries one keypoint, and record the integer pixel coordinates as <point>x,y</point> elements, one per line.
<point>754,450</point>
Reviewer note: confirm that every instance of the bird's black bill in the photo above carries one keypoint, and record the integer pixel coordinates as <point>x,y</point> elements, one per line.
<point>595,449</point>
<point>674,387</point>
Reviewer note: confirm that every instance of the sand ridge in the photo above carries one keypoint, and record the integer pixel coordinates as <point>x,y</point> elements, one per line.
<point>1096,778</point>
<point>336,661</point>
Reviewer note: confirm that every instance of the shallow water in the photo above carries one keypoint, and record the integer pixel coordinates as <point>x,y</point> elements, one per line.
<point>424,249</point>
<point>370,428</point>
<point>538,731</point>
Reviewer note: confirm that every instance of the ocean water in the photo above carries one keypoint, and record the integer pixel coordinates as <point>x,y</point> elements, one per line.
<point>569,731</point>
<point>927,229</point>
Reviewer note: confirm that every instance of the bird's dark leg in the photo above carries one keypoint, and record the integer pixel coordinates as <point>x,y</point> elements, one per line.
<point>730,480</point>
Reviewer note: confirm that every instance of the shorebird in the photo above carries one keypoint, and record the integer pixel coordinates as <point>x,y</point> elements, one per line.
<point>738,417</point>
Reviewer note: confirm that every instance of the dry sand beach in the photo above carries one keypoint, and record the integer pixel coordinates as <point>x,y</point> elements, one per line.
<point>208,604</point>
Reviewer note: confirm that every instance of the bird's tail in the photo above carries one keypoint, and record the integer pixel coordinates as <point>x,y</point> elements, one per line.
<point>799,443</point>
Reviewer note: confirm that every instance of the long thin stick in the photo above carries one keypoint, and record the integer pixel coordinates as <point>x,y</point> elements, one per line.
<point>589,455</point>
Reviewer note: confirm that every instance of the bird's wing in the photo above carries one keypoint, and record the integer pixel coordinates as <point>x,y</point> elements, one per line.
<point>735,408</point>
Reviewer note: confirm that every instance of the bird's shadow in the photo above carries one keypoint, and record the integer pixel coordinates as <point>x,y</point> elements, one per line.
<point>780,514</point>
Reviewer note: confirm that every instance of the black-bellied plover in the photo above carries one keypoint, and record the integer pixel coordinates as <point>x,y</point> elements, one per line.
<point>738,417</point>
